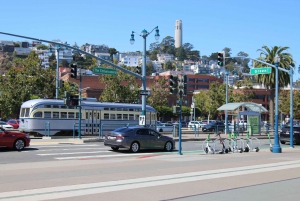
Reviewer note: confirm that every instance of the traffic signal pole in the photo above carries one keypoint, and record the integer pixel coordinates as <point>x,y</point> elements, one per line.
<point>79,105</point>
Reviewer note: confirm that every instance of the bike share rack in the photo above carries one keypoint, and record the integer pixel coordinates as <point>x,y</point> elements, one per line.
<point>231,144</point>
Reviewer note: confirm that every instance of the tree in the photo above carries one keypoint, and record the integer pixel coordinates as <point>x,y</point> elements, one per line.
<point>164,112</point>
<point>168,66</point>
<point>64,63</point>
<point>286,62</point>
<point>153,55</point>
<point>149,68</point>
<point>112,51</point>
<point>42,47</point>
<point>167,45</point>
<point>159,94</point>
<point>120,88</point>
<point>181,54</point>
<point>16,44</point>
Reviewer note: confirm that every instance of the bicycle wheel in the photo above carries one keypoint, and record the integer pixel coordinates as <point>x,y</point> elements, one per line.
<point>208,146</point>
<point>256,145</point>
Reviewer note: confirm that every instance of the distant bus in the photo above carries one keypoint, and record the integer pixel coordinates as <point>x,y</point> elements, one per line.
<point>52,116</point>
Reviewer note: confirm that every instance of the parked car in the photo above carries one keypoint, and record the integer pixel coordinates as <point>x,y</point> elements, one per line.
<point>164,127</point>
<point>214,126</point>
<point>284,134</point>
<point>6,126</point>
<point>13,139</point>
<point>14,123</point>
<point>135,138</point>
<point>198,124</point>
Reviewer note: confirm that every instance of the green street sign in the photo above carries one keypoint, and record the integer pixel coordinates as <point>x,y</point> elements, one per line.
<point>257,71</point>
<point>105,71</point>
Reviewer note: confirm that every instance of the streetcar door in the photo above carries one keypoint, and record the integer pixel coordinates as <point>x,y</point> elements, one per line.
<point>92,122</point>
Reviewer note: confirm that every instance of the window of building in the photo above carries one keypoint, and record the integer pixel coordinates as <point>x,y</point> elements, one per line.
<point>191,79</point>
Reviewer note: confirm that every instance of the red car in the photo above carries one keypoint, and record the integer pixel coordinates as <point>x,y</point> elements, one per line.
<point>12,139</point>
<point>14,123</point>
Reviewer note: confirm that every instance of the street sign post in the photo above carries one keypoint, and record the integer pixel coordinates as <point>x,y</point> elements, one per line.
<point>105,71</point>
<point>145,92</point>
<point>257,71</point>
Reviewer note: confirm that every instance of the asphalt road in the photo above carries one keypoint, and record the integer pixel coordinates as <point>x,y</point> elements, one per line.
<point>93,172</point>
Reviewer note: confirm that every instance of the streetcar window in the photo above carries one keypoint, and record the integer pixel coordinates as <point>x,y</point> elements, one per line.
<point>63,106</point>
<point>77,115</point>
<point>27,112</point>
<point>125,116</point>
<point>71,107</point>
<point>55,114</point>
<point>55,106</point>
<point>119,116</point>
<point>125,109</point>
<point>131,109</point>
<point>131,117</point>
<point>112,109</point>
<point>106,116</point>
<point>119,109</point>
<point>106,108</point>
<point>137,116</point>
<point>71,115</point>
<point>38,114</point>
<point>47,106</point>
<point>47,114</point>
<point>22,112</point>
<point>63,115</point>
<point>112,116</point>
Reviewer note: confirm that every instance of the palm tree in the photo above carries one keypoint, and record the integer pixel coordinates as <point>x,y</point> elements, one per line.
<point>286,62</point>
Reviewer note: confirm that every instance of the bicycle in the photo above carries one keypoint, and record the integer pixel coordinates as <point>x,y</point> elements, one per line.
<point>236,144</point>
<point>208,145</point>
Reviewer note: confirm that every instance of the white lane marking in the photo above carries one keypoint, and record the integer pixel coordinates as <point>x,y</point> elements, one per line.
<point>103,156</point>
<point>74,148</point>
<point>111,186</point>
<point>70,153</point>
<point>62,145</point>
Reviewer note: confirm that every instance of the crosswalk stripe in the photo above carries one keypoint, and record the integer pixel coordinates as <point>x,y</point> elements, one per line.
<point>102,156</point>
<point>70,153</point>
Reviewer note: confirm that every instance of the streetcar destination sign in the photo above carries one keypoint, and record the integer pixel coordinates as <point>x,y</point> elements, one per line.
<point>257,71</point>
<point>105,71</point>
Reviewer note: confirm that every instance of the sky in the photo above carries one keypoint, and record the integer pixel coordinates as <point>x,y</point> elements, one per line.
<point>209,25</point>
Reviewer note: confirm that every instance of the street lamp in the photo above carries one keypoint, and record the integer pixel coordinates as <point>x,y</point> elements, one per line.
<point>276,147</point>
<point>144,34</point>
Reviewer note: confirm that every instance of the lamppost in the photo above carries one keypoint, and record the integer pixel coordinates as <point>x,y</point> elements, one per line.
<point>276,147</point>
<point>144,34</point>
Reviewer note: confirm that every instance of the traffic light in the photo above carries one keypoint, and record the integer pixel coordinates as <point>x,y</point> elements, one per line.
<point>74,100</point>
<point>73,71</point>
<point>173,84</point>
<point>183,85</point>
<point>61,84</point>
<point>221,58</point>
<point>67,98</point>
<point>138,70</point>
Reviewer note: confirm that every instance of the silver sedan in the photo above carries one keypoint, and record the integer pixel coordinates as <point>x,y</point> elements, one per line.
<point>136,138</point>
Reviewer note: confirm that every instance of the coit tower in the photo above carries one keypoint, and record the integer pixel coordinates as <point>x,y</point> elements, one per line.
<point>178,33</point>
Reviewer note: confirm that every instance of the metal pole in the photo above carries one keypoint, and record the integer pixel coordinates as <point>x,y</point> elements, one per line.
<point>291,110</point>
<point>276,147</point>
<point>144,79</point>
<point>179,128</point>
<point>57,73</point>
<point>79,104</point>
<point>226,113</point>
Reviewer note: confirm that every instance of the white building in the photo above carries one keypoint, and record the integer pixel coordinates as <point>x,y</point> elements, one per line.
<point>163,58</point>
<point>157,66</point>
<point>44,57</point>
<point>64,52</point>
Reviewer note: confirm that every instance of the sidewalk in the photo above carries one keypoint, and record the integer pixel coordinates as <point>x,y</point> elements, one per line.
<point>186,136</point>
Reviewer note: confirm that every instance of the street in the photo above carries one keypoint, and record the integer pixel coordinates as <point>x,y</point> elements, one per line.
<point>94,172</point>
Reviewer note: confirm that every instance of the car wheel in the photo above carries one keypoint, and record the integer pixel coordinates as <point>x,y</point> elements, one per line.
<point>168,146</point>
<point>282,142</point>
<point>135,147</point>
<point>115,148</point>
<point>19,144</point>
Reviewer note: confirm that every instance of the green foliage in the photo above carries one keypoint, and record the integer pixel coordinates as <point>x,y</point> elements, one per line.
<point>120,88</point>
<point>149,68</point>
<point>159,94</point>
<point>168,66</point>
<point>16,44</point>
<point>22,84</point>
<point>181,54</point>
<point>42,47</point>
<point>112,51</point>
<point>153,55</point>
<point>164,112</point>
